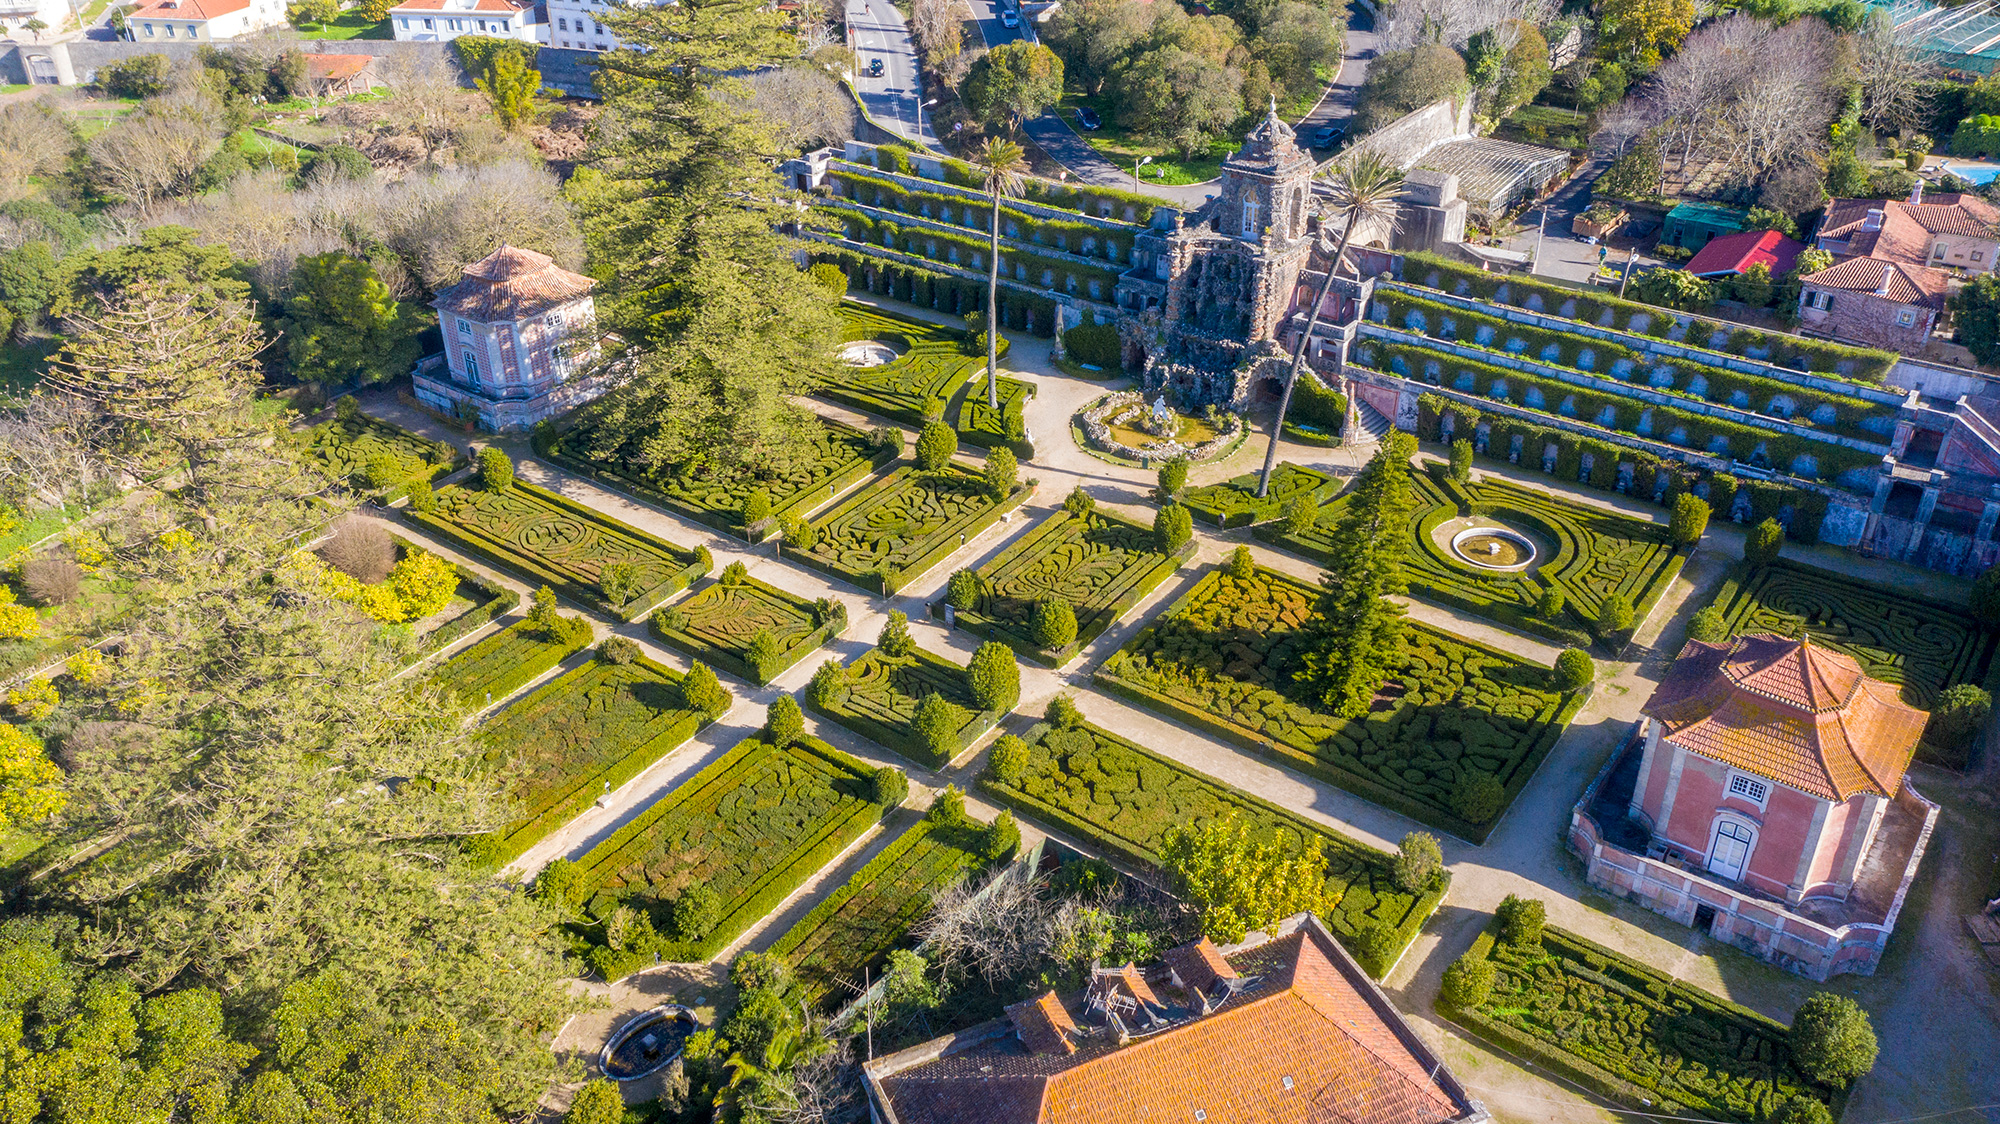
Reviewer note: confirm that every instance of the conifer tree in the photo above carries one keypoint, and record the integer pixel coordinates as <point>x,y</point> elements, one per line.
<point>1358,639</point>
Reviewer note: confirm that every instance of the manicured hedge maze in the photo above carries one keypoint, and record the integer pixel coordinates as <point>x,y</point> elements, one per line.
<point>1597,553</point>
<point>554,541</point>
<point>752,826</point>
<point>717,625</point>
<point>1123,799</point>
<point>858,925</point>
<point>502,663</point>
<point>1220,659</point>
<point>1234,502</point>
<point>810,474</point>
<point>981,425</point>
<point>1923,645</point>
<point>1101,564</point>
<point>559,748</point>
<point>344,446</point>
<point>1635,1035</point>
<point>889,533</point>
<point>920,383</point>
<point>879,695</point>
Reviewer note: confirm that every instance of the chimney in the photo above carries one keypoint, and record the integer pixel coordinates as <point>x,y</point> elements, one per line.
<point>1917,192</point>
<point>1882,290</point>
<point>1874,219</point>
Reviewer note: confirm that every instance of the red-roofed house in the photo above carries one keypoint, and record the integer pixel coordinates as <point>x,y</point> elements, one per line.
<point>437,21</point>
<point>1766,803</point>
<point>1874,301</point>
<point>1731,254</point>
<point>1889,282</point>
<point>520,338</point>
<point>201,21</point>
<point>1287,1030</point>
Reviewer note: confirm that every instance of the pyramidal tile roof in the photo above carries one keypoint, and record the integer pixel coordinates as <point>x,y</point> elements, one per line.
<point>512,284</point>
<point>1792,711</point>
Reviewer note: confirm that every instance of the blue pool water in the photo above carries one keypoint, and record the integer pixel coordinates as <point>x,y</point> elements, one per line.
<point>1977,173</point>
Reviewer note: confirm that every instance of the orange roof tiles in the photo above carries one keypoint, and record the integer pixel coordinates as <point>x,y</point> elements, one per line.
<point>1199,965</point>
<point>334,68</point>
<point>1886,278</point>
<point>1044,1025</point>
<point>1797,713</point>
<point>187,9</point>
<point>512,284</point>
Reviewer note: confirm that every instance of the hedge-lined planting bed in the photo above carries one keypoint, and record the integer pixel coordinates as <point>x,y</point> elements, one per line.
<point>1235,503</point>
<point>921,382</point>
<point>951,293</point>
<point>557,542</point>
<point>1123,799</point>
<point>345,446</point>
<point>1923,645</point>
<point>503,663</point>
<point>752,827</point>
<point>1462,279</point>
<point>1824,410</point>
<point>1597,554</point>
<point>1017,260</point>
<point>485,600</point>
<point>719,624</point>
<point>889,533</point>
<point>859,924</point>
<point>980,424</point>
<point>1102,564</point>
<point>812,473</point>
<point>1105,202</point>
<point>1221,657</point>
<point>1634,1035</point>
<point>597,726</point>
<point>878,695</point>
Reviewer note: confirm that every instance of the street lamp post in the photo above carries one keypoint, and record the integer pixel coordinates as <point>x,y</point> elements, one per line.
<point>1136,165</point>
<point>921,106</point>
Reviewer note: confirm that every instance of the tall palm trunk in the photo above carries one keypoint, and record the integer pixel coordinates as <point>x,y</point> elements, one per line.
<point>993,310</point>
<point>1299,354</point>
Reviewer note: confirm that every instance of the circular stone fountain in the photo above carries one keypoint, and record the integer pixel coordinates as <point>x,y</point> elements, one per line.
<point>869,353</point>
<point>647,1043</point>
<point>1493,547</point>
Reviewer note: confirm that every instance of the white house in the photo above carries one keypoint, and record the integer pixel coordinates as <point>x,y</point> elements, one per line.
<point>54,14</point>
<point>520,337</point>
<point>436,21</point>
<point>202,21</point>
<point>579,24</point>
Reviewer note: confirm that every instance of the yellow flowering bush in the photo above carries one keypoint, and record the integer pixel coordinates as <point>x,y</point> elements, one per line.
<point>89,667</point>
<point>34,700</point>
<point>17,622</point>
<point>30,783</point>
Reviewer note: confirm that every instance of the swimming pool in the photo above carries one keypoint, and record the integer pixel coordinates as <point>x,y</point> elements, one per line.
<point>1981,174</point>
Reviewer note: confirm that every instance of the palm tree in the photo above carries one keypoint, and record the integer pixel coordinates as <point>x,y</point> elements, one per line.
<point>1365,189</point>
<point>1002,162</point>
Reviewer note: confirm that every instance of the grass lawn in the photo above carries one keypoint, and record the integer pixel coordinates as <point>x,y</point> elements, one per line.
<point>15,87</point>
<point>253,145</point>
<point>1122,146</point>
<point>350,25</point>
<point>1546,125</point>
<point>94,115</point>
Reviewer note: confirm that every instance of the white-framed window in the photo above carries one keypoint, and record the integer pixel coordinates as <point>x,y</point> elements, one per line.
<point>1906,317</point>
<point>1729,850</point>
<point>191,31</point>
<point>170,31</point>
<point>1749,788</point>
<point>1937,254</point>
<point>149,31</point>
<point>471,367</point>
<point>562,24</point>
<point>1820,299</point>
<point>1249,218</point>
<point>403,22</point>
<point>482,25</point>
<point>429,25</point>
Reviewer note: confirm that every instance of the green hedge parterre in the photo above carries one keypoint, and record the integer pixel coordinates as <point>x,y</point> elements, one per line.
<point>503,663</point>
<point>879,696</point>
<point>1219,659</point>
<point>1023,266</point>
<point>1105,202</point>
<point>889,533</point>
<point>933,368</point>
<point>981,425</point>
<point>1234,502</point>
<point>975,214</point>
<point>717,624</point>
<point>344,446</point>
<point>1102,564</point>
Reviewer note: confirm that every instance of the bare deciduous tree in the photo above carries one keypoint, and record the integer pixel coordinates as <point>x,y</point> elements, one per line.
<point>34,140</point>
<point>805,106</point>
<point>429,101</point>
<point>47,453</point>
<point>996,930</point>
<point>1895,74</point>
<point>151,155</point>
<point>1455,22</point>
<point>1748,94</point>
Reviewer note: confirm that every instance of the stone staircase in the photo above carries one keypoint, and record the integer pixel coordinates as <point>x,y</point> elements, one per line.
<point>1373,426</point>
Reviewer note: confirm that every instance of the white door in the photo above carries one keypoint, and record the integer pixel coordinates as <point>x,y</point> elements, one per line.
<point>1732,846</point>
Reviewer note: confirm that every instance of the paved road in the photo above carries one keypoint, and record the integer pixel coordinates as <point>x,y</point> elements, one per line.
<point>876,30</point>
<point>1363,43</point>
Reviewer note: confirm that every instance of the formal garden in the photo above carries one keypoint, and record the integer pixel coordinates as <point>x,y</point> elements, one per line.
<point>1235,503</point>
<point>925,368</point>
<point>1450,741</point>
<point>579,552</point>
<point>1123,799</point>
<point>507,660</point>
<point>1060,585</point>
<point>1622,1029</point>
<point>1593,556</point>
<point>588,732</point>
<point>374,456</point>
<point>889,533</point>
<point>392,583</point>
<point>978,423</point>
<point>748,628</point>
<point>722,850</point>
<point>735,498</point>
<point>916,702</point>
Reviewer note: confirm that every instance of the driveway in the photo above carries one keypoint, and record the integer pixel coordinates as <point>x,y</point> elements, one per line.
<point>876,30</point>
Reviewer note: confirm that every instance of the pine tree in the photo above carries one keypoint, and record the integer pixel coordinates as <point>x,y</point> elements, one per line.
<point>1358,638</point>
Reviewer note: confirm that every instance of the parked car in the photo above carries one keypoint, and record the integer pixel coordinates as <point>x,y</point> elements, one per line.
<point>1087,117</point>
<point>874,68</point>
<point>1326,136</point>
<point>1009,18</point>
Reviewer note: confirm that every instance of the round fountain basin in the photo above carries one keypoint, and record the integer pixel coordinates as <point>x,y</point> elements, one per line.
<point>1492,547</point>
<point>647,1043</point>
<point>868,353</point>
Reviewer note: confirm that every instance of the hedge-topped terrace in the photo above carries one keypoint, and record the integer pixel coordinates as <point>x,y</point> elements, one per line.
<point>750,828</point>
<point>506,661</point>
<point>1074,275</point>
<point>1104,202</point>
<point>1801,456</point>
<point>1630,1033</point>
<point>956,294</point>
<point>748,628</point>
<point>1234,502</point>
<point>1100,564</point>
<point>857,926</point>
<point>876,696</point>
<point>1221,657</point>
<point>563,544</point>
<point>1843,414</point>
<point>931,372</point>
<point>1085,239</point>
<point>811,471</point>
<point>597,726</point>
<point>1123,799</point>
<point>1777,348</point>
<point>1597,554</point>
<point>356,445</point>
<point>1898,638</point>
<point>891,532</point>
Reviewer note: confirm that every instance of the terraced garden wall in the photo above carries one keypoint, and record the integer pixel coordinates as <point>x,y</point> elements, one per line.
<point>719,625</point>
<point>946,288</point>
<point>1234,502</point>
<point>1220,659</point>
<point>344,447</point>
<point>1101,564</point>
<point>499,665</point>
<point>553,541</point>
<point>878,695</point>
<point>1122,799</point>
<point>894,530</point>
<point>1633,1034</point>
<point>1105,205</point>
<point>582,735</point>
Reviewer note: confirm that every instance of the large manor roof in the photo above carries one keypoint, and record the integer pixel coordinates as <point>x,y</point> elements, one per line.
<point>512,284</point>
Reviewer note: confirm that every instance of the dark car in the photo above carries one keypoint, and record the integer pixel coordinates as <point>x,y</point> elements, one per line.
<point>874,68</point>
<point>1087,117</point>
<point>1326,136</point>
<point>1009,18</point>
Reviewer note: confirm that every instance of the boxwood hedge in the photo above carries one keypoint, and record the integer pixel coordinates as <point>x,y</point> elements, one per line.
<point>719,623</point>
<point>877,697</point>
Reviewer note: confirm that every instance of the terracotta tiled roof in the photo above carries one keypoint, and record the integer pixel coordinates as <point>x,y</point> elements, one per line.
<point>1892,280</point>
<point>1199,965</point>
<point>1044,1025</point>
<point>1300,1042</point>
<point>1795,712</point>
<point>334,68</point>
<point>512,284</point>
<point>188,9</point>
<point>1966,216</point>
<point>1734,253</point>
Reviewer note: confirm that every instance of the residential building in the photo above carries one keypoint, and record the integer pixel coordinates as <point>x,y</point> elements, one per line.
<point>520,342</point>
<point>1956,232</point>
<point>438,21</point>
<point>1874,302</point>
<point>1284,1030</point>
<point>1766,803</point>
<point>14,14</point>
<point>578,25</point>
<point>1731,254</point>
<point>201,21</point>
<point>1691,226</point>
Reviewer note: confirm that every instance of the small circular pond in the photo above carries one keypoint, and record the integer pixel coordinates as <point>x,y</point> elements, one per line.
<point>1491,547</point>
<point>868,353</point>
<point>647,1043</point>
